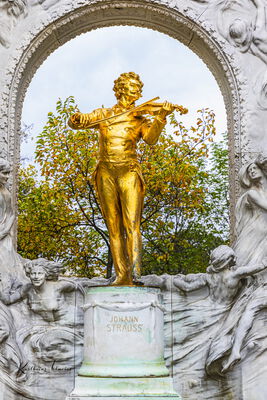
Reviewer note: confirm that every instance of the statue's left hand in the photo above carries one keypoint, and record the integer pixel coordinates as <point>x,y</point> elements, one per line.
<point>84,119</point>
<point>166,109</point>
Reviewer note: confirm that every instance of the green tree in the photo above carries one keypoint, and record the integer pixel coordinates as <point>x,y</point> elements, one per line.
<point>184,210</point>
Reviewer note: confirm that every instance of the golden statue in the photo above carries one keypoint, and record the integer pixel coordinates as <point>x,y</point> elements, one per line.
<point>118,177</point>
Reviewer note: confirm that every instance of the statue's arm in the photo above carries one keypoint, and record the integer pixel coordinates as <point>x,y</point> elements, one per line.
<point>83,121</point>
<point>197,282</point>
<point>249,270</point>
<point>150,131</point>
<point>256,198</point>
<point>18,295</point>
<point>261,17</point>
<point>68,286</point>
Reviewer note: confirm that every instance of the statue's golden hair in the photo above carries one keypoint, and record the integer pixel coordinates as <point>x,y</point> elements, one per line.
<point>119,83</point>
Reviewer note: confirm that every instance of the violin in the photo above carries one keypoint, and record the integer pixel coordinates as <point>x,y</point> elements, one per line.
<point>150,107</point>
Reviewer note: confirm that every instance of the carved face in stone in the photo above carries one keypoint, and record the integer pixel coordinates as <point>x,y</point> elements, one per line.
<point>37,276</point>
<point>4,175</point>
<point>240,33</point>
<point>221,258</point>
<point>254,172</point>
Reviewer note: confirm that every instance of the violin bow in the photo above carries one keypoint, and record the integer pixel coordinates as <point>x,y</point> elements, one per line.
<point>122,113</point>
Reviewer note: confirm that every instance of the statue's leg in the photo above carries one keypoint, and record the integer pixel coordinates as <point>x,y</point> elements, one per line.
<point>132,197</point>
<point>110,204</point>
<point>244,326</point>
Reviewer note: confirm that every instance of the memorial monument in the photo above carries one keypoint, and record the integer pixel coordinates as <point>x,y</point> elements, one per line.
<point>215,322</point>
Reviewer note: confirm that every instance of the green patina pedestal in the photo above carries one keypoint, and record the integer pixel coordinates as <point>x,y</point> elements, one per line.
<point>123,346</point>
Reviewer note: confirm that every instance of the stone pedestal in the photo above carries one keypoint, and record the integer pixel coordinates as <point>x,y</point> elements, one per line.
<point>123,346</point>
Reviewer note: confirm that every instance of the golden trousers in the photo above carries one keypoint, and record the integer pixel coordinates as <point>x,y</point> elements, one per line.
<point>120,188</point>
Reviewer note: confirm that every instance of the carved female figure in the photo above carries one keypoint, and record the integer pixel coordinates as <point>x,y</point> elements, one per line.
<point>251,215</point>
<point>222,280</point>
<point>251,249</point>
<point>45,294</point>
<point>10,262</point>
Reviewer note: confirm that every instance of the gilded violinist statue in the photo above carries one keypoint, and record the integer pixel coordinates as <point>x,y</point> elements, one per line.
<point>118,177</point>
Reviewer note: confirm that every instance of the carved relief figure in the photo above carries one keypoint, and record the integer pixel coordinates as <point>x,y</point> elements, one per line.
<point>10,11</point>
<point>257,303</point>
<point>12,360</point>
<point>210,320</point>
<point>251,249</point>
<point>251,215</point>
<point>222,280</point>
<point>244,32</point>
<point>251,246</point>
<point>118,176</point>
<point>45,293</point>
<point>58,347</point>
<point>10,262</point>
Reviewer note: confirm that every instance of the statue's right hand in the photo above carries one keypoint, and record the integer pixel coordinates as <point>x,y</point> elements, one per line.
<point>84,119</point>
<point>75,118</point>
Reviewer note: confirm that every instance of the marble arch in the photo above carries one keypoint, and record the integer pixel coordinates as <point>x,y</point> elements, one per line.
<point>231,38</point>
<point>35,28</point>
<point>42,27</point>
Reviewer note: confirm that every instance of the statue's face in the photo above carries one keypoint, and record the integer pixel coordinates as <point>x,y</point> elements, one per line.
<point>132,90</point>
<point>37,276</point>
<point>239,32</point>
<point>4,174</point>
<point>254,172</point>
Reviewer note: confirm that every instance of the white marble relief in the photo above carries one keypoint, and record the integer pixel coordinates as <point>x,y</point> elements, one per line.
<point>251,213</point>
<point>11,270</point>
<point>243,24</point>
<point>10,12</point>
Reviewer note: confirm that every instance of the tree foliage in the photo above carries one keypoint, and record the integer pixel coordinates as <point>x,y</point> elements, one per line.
<point>185,210</point>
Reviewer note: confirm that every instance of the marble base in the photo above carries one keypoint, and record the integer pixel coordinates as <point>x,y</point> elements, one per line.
<point>123,346</point>
<point>123,397</point>
<point>134,388</point>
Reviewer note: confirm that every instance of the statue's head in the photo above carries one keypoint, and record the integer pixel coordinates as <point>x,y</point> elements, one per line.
<point>240,32</point>
<point>253,172</point>
<point>4,165</point>
<point>41,269</point>
<point>4,171</point>
<point>221,258</point>
<point>128,86</point>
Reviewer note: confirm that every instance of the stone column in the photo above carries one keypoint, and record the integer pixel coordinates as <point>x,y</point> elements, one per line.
<point>123,346</point>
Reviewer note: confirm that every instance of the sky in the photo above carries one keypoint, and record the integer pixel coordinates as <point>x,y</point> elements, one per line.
<point>87,66</point>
